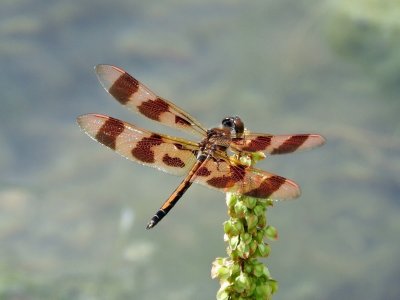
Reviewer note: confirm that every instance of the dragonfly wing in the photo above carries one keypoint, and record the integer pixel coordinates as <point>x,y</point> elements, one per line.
<point>137,97</point>
<point>172,155</point>
<point>277,144</point>
<point>221,174</point>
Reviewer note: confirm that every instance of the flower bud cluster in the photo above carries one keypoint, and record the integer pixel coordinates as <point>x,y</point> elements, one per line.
<point>241,275</point>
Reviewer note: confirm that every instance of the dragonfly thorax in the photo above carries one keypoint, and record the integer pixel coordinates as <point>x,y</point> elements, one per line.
<point>217,138</point>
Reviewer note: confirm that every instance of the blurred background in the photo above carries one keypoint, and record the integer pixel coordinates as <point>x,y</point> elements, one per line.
<point>73,214</point>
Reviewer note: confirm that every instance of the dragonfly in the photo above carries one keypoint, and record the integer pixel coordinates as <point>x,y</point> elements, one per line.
<point>208,161</point>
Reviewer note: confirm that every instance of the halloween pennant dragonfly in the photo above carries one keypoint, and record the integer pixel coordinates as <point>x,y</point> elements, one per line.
<point>205,162</point>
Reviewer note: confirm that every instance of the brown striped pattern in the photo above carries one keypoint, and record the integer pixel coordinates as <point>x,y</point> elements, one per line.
<point>143,150</point>
<point>267,187</point>
<point>229,179</point>
<point>109,131</point>
<point>136,96</point>
<point>259,143</point>
<point>168,154</point>
<point>221,182</point>
<point>153,108</point>
<point>291,144</point>
<point>203,172</point>
<point>173,161</point>
<point>226,177</point>
<point>123,88</point>
<point>276,144</point>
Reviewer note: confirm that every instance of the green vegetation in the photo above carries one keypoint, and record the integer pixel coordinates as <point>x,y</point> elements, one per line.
<point>241,275</point>
<point>368,33</point>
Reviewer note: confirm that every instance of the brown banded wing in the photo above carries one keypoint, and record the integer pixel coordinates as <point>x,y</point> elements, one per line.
<point>276,144</point>
<point>172,155</point>
<point>221,174</point>
<point>137,97</point>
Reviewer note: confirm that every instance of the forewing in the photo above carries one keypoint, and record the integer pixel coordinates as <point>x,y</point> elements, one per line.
<point>137,97</point>
<point>172,155</point>
<point>277,144</point>
<point>223,175</point>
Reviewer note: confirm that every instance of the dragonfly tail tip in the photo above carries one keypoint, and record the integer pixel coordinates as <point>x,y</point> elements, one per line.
<point>150,225</point>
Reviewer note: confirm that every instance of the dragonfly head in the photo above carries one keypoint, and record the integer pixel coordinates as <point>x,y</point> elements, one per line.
<point>235,125</point>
